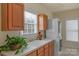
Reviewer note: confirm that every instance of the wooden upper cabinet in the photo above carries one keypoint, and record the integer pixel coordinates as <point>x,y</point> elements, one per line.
<point>12,16</point>
<point>42,22</point>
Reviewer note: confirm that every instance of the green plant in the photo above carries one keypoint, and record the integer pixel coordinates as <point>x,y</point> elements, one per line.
<point>14,43</point>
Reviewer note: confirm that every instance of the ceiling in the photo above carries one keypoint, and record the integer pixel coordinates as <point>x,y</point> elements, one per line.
<point>57,7</point>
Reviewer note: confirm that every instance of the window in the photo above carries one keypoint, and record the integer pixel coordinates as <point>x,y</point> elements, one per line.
<point>30,23</point>
<point>72,30</point>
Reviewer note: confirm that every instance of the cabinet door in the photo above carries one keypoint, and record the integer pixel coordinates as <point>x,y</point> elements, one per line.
<point>51,48</point>
<point>16,16</point>
<point>4,16</point>
<point>42,22</point>
<point>46,52</point>
<point>46,47</point>
<point>45,22</point>
<point>41,51</point>
<point>12,16</point>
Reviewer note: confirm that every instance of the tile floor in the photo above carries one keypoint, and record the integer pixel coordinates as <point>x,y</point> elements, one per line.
<point>69,52</point>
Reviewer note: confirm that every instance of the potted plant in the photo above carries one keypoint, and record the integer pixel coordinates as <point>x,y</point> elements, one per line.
<point>14,43</point>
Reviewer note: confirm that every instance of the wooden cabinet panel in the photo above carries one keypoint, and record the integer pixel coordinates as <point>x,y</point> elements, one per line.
<point>51,48</point>
<point>41,54</point>
<point>46,48</point>
<point>4,16</point>
<point>40,50</point>
<point>13,16</point>
<point>50,51</point>
<point>45,22</point>
<point>42,22</point>
<point>47,52</point>
<point>16,16</point>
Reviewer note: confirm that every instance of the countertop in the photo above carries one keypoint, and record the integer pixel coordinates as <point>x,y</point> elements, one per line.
<point>31,47</point>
